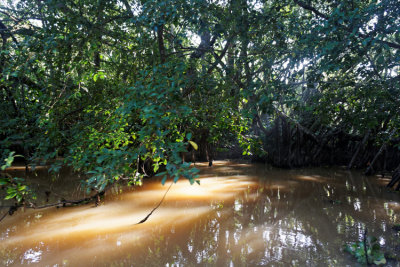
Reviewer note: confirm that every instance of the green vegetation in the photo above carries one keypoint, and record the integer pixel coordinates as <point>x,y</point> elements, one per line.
<point>121,88</point>
<point>368,250</point>
<point>15,187</point>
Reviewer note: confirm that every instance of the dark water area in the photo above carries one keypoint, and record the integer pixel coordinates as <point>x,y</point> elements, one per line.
<point>240,215</point>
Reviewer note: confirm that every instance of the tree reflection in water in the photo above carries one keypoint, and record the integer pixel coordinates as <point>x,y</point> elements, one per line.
<point>241,214</point>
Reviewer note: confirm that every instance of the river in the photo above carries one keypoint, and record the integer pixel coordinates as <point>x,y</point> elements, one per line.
<point>240,215</point>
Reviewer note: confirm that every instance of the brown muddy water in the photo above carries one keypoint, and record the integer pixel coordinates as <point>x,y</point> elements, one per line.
<point>240,215</point>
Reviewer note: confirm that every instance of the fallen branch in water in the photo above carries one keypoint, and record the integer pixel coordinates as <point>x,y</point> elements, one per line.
<point>2,217</point>
<point>151,212</point>
<point>10,211</point>
<point>64,202</point>
<point>61,203</point>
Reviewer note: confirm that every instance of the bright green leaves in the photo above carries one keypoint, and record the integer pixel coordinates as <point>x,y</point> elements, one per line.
<point>139,137</point>
<point>8,160</point>
<point>16,190</point>
<point>373,249</point>
<point>194,145</point>
<point>15,187</point>
<point>99,75</point>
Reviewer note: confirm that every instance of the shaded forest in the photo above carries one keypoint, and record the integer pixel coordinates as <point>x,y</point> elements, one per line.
<point>123,89</point>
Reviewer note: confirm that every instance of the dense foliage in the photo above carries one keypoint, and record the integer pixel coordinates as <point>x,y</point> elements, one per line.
<point>112,87</point>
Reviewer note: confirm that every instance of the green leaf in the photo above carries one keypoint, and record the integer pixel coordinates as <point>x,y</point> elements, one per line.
<point>22,188</point>
<point>156,167</point>
<point>381,59</point>
<point>10,196</point>
<point>380,261</point>
<point>194,145</point>
<point>160,173</point>
<point>164,179</point>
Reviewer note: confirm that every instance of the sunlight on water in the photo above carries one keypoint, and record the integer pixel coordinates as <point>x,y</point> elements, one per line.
<point>240,214</point>
<point>311,178</point>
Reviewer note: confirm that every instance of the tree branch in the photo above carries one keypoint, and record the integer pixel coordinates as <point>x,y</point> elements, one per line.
<point>326,17</point>
<point>3,30</point>
<point>312,9</point>
<point>219,58</point>
<point>160,39</point>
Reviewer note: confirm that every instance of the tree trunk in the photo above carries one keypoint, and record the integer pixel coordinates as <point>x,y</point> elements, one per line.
<point>361,145</point>
<point>395,177</point>
<point>370,168</point>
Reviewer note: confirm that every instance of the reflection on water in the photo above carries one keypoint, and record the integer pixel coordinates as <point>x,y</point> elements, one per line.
<point>241,214</point>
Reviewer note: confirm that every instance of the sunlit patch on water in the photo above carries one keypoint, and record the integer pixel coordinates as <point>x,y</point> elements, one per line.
<point>393,205</point>
<point>239,215</point>
<point>31,256</point>
<point>317,179</point>
<point>23,168</point>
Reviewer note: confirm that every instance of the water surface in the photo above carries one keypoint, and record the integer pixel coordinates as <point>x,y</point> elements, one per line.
<point>240,215</point>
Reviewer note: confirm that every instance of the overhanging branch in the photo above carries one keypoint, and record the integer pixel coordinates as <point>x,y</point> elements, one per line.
<point>326,17</point>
